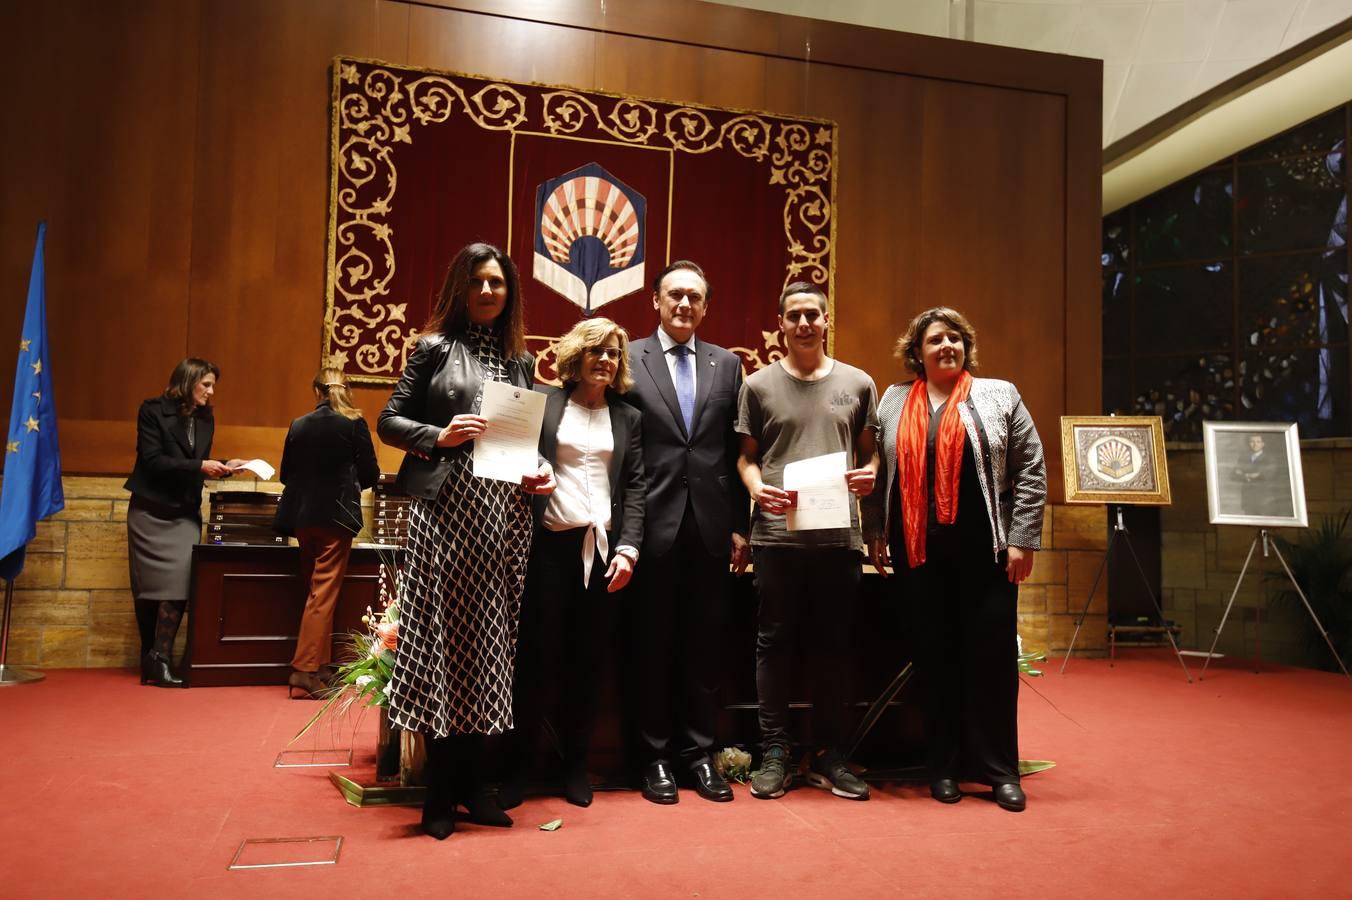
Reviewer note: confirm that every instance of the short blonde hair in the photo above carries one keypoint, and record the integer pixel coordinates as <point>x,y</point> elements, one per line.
<point>908,345</point>
<point>585,335</point>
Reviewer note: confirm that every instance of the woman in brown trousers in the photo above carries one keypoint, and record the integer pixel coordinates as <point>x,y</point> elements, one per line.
<point>327,461</point>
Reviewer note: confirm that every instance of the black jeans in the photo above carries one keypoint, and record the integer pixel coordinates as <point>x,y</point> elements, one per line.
<point>964,627</point>
<point>810,588</point>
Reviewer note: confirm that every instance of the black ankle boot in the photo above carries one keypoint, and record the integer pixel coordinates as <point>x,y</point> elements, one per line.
<point>155,670</point>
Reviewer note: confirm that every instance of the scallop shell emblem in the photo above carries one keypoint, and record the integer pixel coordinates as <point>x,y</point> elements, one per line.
<point>1114,458</point>
<point>590,207</point>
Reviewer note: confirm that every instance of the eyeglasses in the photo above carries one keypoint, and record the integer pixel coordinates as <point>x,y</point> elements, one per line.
<point>606,352</point>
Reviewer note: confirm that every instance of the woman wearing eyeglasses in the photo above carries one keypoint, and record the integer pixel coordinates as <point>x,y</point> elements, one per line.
<point>587,535</point>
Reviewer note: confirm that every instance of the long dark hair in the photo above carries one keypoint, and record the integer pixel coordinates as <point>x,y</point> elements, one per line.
<point>451,313</point>
<point>184,378</point>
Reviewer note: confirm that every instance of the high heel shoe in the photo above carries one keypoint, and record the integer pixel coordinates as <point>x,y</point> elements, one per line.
<point>155,670</point>
<point>310,685</point>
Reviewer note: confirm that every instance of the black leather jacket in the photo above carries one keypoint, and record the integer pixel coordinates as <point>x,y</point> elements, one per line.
<point>440,381</point>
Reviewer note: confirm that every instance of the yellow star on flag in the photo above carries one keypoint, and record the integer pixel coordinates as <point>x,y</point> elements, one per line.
<point>23,345</point>
<point>37,367</point>
<point>31,424</point>
<point>11,446</point>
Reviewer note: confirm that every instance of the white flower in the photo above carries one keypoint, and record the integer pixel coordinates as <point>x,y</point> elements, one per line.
<point>1019,639</point>
<point>364,680</point>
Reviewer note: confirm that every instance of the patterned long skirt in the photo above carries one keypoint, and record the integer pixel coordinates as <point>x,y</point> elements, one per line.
<point>464,572</point>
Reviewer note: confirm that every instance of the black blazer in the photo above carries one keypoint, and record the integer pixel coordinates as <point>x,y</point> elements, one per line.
<point>627,483</point>
<point>440,381</point>
<point>327,460</point>
<point>701,466</point>
<point>168,473</point>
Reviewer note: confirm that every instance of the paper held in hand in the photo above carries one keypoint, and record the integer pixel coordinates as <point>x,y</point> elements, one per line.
<point>510,446</point>
<point>258,467</point>
<point>823,494</point>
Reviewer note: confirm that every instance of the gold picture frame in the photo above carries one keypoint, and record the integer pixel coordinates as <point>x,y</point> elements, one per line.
<point>1115,459</point>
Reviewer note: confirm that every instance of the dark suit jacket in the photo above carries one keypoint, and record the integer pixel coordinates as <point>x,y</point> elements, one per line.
<point>440,381</point>
<point>327,460</point>
<point>168,473</point>
<point>701,466</point>
<point>627,482</point>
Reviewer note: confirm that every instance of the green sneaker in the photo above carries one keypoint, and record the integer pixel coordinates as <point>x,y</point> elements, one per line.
<point>769,783</point>
<point>829,772</point>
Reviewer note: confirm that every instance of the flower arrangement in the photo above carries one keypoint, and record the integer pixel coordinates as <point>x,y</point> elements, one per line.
<point>1026,660</point>
<point>734,764</point>
<point>364,676</point>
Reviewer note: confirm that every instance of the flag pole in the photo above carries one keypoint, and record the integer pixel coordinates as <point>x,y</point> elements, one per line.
<point>12,674</point>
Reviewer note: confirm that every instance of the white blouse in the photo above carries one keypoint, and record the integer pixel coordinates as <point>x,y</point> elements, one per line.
<point>581,498</point>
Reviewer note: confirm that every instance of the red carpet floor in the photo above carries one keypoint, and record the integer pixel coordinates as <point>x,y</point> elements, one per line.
<point>1233,787</point>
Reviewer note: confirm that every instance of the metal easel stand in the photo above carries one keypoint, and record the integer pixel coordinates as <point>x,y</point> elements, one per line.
<point>12,674</point>
<point>1120,529</point>
<point>1268,544</point>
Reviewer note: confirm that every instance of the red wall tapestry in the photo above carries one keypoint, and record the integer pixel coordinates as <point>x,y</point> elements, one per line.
<point>591,194</point>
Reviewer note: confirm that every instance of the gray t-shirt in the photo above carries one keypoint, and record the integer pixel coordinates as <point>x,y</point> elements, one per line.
<point>793,419</point>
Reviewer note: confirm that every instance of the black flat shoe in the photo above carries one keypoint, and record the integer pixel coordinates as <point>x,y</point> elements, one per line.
<point>709,784</point>
<point>155,670</point>
<point>945,790</point>
<point>658,784</point>
<point>1010,797</point>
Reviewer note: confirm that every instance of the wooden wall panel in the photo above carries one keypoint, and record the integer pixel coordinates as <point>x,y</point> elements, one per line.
<point>188,188</point>
<point>99,142</point>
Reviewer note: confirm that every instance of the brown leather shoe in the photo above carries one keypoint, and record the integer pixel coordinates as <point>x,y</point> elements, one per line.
<point>310,685</point>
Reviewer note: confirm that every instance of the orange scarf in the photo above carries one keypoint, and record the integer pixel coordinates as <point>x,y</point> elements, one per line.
<point>912,440</point>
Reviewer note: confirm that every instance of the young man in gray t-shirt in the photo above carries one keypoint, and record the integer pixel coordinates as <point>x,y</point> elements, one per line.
<point>806,405</point>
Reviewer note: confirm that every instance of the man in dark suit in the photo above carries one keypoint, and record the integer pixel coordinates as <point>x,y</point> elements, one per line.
<point>697,511</point>
<point>1264,479</point>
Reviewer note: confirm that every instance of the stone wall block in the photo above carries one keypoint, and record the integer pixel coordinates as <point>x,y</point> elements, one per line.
<point>93,486</point>
<point>98,555</point>
<point>41,570</point>
<point>51,607</point>
<point>1079,527</point>
<point>78,509</point>
<point>65,646</point>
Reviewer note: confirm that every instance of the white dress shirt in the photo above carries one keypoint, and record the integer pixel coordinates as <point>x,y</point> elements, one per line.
<point>668,342</point>
<point>581,498</point>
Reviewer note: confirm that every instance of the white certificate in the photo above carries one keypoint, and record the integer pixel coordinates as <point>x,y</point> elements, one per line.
<point>823,494</point>
<point>259,467</point>
<point>510,446</point>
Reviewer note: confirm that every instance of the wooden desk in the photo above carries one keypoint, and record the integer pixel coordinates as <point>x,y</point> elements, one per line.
<point>244,614</point>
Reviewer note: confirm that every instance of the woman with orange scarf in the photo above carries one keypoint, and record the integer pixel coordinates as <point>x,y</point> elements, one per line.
<point>960,513</point>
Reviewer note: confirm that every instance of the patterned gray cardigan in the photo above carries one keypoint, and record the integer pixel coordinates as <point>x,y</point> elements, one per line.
<point>1007,450</point>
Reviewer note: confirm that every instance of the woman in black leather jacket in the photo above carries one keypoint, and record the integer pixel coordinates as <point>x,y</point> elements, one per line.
<point>468,540</point>
<point>164,519</point>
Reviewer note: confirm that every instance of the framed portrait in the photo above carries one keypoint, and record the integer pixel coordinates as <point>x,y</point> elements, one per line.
<point>1253,474</point>
<point>1114,459</point>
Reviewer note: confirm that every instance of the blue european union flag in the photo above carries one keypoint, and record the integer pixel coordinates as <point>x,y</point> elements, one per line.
<point>32,486</point>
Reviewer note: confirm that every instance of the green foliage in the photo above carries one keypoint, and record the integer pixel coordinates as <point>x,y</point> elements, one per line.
<point>1321,561</point>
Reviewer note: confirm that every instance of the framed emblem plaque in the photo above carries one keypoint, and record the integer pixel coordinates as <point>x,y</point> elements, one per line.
<point>1114,459</point>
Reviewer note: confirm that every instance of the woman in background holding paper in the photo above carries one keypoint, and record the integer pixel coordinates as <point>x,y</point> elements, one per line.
<point>327,460</point>
<point>960,516</point>
<point>468,538</point>
<point>164,518</point>
<point>587,535</point>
